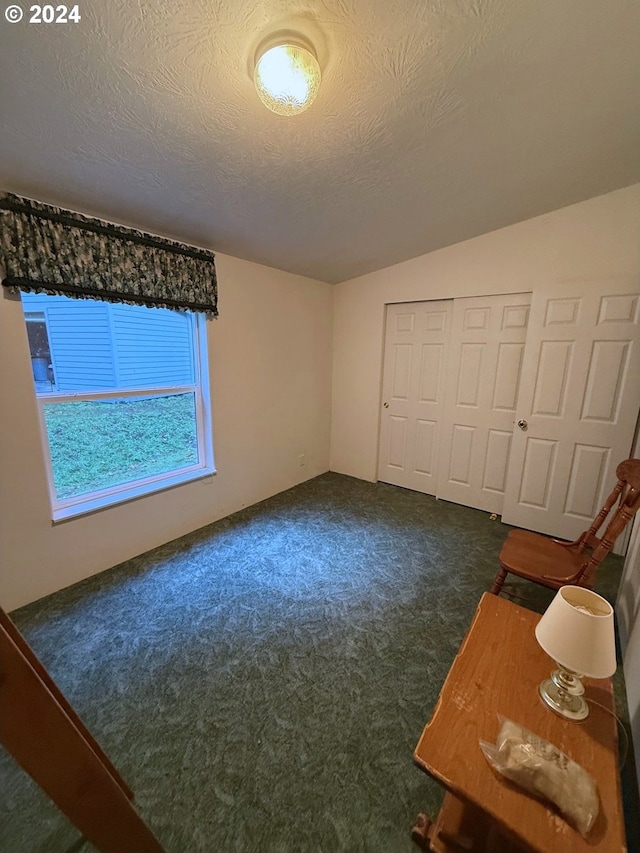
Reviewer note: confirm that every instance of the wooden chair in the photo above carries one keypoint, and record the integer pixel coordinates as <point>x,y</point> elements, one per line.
<point>553,563</point>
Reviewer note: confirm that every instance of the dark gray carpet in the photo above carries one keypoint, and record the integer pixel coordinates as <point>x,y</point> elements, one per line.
<point>261,684</point>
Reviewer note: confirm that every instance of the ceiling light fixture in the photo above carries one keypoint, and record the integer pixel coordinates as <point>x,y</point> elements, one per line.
<point>286,73</point>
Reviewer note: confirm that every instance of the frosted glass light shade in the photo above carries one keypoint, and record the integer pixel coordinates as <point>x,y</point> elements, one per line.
<point>287,78</point>
<point>577,631</point>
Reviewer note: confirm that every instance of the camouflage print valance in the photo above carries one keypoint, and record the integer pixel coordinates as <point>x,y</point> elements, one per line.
<point>50,250</point>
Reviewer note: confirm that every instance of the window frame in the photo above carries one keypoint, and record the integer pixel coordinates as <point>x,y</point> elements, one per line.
<point>68,508</point>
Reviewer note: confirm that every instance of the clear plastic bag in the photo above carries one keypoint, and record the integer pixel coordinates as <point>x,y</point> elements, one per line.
<point>540,768</point>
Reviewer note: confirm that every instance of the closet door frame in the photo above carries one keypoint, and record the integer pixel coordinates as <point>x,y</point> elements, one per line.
<point>578,402</point>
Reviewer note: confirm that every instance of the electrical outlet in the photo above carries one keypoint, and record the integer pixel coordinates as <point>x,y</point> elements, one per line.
<point>301,460</point>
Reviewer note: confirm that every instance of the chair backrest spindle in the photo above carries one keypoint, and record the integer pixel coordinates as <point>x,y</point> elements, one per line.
<point>627,489</point>
<point>590,537</point>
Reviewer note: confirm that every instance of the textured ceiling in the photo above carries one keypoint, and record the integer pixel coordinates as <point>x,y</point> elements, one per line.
<point>437,120</point>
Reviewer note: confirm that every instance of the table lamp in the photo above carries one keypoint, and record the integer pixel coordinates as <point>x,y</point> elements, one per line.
<point>576,631</point>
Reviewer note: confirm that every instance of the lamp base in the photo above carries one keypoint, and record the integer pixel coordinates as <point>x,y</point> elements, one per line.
<point>570,705</point>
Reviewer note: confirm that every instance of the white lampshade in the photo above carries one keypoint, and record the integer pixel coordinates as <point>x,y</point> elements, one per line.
<point>577,631</point>
<point>287,73</point>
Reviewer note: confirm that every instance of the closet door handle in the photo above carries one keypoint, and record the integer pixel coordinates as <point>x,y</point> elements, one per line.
<point>524,426</point>
<point>386,405</point>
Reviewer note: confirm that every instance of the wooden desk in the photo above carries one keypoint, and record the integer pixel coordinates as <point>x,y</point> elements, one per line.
<point>497,671</point>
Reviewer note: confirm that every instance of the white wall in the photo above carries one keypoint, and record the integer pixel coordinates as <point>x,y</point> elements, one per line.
<point>628,619</point>
<point>593,240</point>
<point>270,371</point>
<point>628,616</point>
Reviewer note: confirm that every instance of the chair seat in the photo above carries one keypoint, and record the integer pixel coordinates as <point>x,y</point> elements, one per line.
<point>538,558</point>
<point>553,564</point>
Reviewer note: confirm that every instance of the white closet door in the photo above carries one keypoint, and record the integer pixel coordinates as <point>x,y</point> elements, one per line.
<point>579,398</point>
<point>416,340</point>
<point>483,380</point>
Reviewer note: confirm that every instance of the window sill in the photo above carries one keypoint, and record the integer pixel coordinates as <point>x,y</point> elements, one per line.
<point>75,507</point>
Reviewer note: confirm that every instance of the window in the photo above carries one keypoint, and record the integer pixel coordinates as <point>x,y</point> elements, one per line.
<point>122,392</point>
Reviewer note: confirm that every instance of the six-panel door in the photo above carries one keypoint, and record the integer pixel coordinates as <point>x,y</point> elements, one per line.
<point>486,351</point>
<point>415,359</point>
<point>580,396</point>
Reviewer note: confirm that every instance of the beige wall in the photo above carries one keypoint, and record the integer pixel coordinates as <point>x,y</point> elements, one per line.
<point>270,371</point>
<point>593,240</point>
